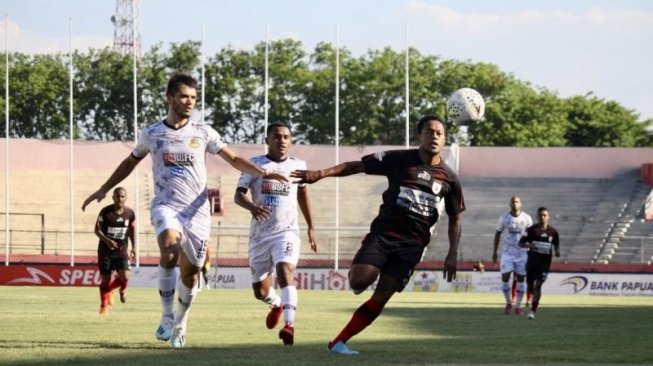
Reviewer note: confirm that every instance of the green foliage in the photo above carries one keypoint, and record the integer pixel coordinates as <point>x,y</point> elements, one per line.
<point>302,87</point>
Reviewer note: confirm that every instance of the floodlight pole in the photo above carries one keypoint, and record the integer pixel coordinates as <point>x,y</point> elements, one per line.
<point>6,140</point>
<point>72,155</point>
<point>337,154</point>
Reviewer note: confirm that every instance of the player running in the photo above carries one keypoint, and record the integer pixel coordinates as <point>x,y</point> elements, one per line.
<point>542,241</point>
<point>419,182</point>
<point>274,232</point>
<point>180,209</point>
<point>512,225</point>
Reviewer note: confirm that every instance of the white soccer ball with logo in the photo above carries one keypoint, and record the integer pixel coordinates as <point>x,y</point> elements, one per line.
<point>465,106</point>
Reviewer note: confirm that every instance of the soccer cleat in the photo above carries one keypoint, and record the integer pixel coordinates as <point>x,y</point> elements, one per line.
<point>164,331</point>
<point>508,309</point>
<point>531,315</point>
<point>178,338</point>
<point>104,310</point>
<point>341,348</point>
<point>518,311</point>
<point>287,335</point>
<point>110,299</point>
<point>123,297</point>
<point>273,317</point>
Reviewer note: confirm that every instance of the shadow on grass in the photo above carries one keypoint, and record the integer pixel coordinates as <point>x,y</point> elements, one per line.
<point>405,334</point>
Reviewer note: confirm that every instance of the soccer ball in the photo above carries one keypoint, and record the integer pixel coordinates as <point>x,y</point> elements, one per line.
<point>465,106</point>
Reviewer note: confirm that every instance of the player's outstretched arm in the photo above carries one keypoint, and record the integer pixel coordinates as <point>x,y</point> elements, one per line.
<point>340,170</point>
<point>246,166</point>
<point>304,200</point>
<point>122,171</point>
<point>451,262</point>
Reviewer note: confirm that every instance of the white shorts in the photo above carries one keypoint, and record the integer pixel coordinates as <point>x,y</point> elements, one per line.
<point>514,263</point>
<point>194,232</point>
<point>266,253</point>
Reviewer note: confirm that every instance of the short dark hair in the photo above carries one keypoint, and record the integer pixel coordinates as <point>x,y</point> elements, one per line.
<point>179,79</point>
<point>276,124</point>
<point>428,118</point>
<point>542,208</point>
<point>118,189</point>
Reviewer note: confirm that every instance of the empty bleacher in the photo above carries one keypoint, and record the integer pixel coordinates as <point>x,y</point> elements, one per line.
<point>586,213</point>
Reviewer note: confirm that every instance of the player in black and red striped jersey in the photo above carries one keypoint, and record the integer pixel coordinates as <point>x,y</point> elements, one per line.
<point>419,185</point>
<point>542,241</point>
<point>115,226</point>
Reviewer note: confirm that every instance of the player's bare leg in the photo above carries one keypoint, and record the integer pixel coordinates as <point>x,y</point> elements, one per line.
<point>264,291</point>
<point>285,275</point>
<point>168,242</point>
<point>189,276</point>
<point>360,277</point>
<point>105,292</point>
<point>505,287</point>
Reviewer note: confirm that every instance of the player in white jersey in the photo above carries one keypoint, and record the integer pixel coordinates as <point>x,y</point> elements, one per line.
<point>179,210</point>
<point>274,233</point>
<point>512,225</point>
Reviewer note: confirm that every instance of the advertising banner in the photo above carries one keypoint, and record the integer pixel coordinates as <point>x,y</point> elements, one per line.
<point>328,279</point>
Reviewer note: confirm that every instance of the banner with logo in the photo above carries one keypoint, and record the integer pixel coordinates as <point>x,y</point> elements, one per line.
<point>329,279</point>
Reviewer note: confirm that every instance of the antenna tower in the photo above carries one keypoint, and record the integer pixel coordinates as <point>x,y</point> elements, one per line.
<point>127,32</point>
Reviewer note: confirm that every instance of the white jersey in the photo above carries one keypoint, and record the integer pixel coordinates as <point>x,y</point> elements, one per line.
<point>511,229</point>
<point>179,165</point>
<point>280,197</point>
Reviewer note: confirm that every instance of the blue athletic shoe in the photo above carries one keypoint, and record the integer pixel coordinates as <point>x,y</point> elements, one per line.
<point>342,349</point>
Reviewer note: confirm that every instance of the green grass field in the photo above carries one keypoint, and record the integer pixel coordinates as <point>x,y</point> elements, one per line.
<point>57,326</point>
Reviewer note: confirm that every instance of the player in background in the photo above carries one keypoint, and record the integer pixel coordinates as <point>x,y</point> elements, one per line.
<point>419,182</point>
<point>115,226</point>
<point>180,209</point>
<point>274,241</point>
<point>542,241</point>
<point>512,225</point>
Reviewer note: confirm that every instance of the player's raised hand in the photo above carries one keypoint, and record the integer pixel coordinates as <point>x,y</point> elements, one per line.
<point>450,265</point>
<point>311,239</point>
<point>98,195</point>
<point>306,176</point>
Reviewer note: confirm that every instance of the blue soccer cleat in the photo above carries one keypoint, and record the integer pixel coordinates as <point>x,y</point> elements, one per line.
<point>341,349</point>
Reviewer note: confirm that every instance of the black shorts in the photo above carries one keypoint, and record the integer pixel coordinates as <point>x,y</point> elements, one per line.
<point>108,263</point>
<point>537,268</point>
<point>396,258</point>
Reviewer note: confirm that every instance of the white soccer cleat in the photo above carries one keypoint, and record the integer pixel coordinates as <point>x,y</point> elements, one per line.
<point>342,349</point>
<point>531,315</point>
<point>164,331</point>
<point>178,339</point>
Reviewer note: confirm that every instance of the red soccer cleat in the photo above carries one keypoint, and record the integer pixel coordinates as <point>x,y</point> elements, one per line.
<point>287,335</point>
<point>273,317</point>
<point>518,311</point>
<point>507,309</point>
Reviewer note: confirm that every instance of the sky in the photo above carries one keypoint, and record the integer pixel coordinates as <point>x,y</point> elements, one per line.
<point>575,47</point>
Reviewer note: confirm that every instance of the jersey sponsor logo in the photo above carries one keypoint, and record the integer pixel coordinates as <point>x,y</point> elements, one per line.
<point>424,175</point>
<point>578,283</point>
<point>416,201</point>
<point>161,143</point>
<point>275,188</point>
<point>177,171</point>
<point>195,142</point>
<point>184,159</point>
<point>272,201</point>
<point>117,232</point>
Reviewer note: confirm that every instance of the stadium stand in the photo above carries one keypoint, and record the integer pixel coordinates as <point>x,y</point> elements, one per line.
<point>598,213</point>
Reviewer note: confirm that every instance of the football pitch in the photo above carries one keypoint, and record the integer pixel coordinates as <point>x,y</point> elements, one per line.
<point>61,326</point>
